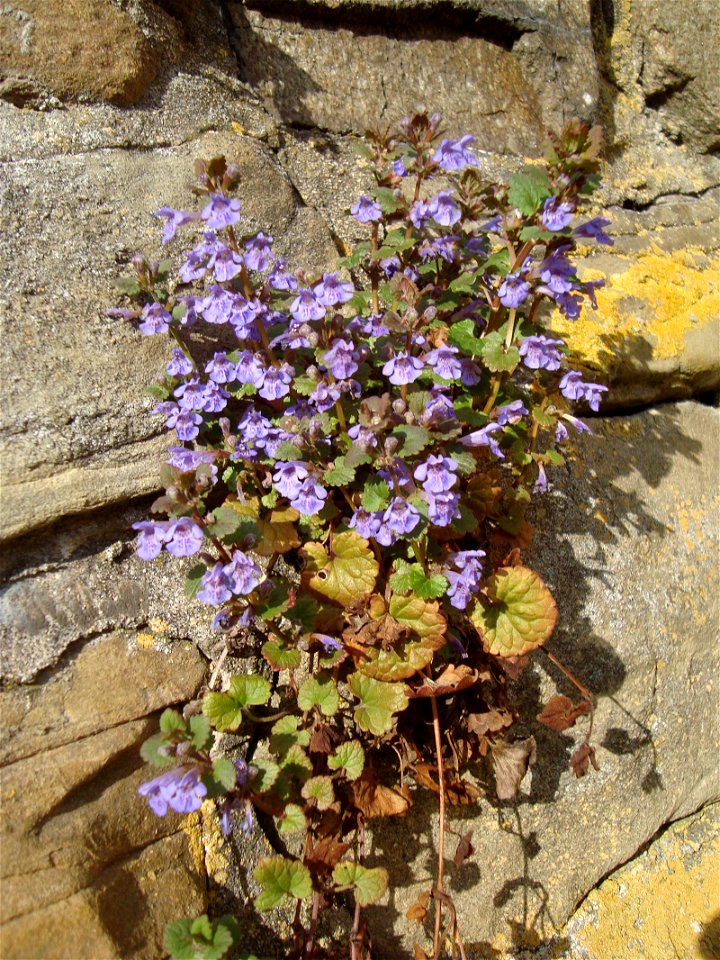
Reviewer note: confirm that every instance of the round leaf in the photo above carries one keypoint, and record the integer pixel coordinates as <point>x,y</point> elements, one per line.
<point>522,614</point>
<point>350,758</point>
<point>319,692</point>
<point>280,877</point>
<point>319,789</point>
<point>292,820</point>
<point>378,702</point>
<point>368,883</point>
<point>279,656</point>
<point>347,574</point>
<point>249,690</point>
<point>222,711</point>
<point>421,616</point>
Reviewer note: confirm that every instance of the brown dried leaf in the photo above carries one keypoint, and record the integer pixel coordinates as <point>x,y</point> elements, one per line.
<point>520,540</point>
<point>419,953</point>
<point>513,666</point>
<point>464,849</point>
<point>322,739</point>
<point>374,799</point>
<point>418,911</point>
<point>325,854</point>
<point>560,712</point>
<point>582,758</point>
<point>452,680</point>
<point>461,793</point>
<point>511,762</point>
<point>489,722</point>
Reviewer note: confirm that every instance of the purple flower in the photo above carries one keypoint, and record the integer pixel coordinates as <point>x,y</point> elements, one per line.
<point>443,209</point>
<point>226,264</point>
<point>463,571</point>
<point>569,304</point>
<point>280,278</point>
<point>190,316</point>
<point>390,265</point>
<point>366,524</point>
<point>185,423</point>
<point>310,498</point>
<point>470,373</point>
<point>331,290</point>
<point>288,478</point>
<point>194,267</point>
<point>513,290</point>
<point>186,538</point>
<point>341,359</point>
<point>221,211</point>
<point>214,586</point>
<point>557,272</point>
<point>220,369</point>
<point>420,213</point>
<point>191,395</point>
<point>436,474</point>
<point>174,219</point>
<point>400,516</point>
<point>152,536</point>
<point>243,573</point>
<point>403,368</point>
<point>155,319</point>
<point>372,326</point>
<point>541,484</point>
<point>249,368</point>
<point>484,438</point>
<point>572,387</point>
<point>181,789</point>
<point>187,460</point>
<point>541,353</point>
<point>579,425</point>
<point>306,306</point>
<point>366,209</point>
<point>363,437</point>
<point>445,247</point>
<point>561,434</point>
<point>243,316</point>
<point>214,398</point>
<point>443,508</point>
<point>557,214</point>
<point>180,365</point>
<point>455,155</point>
<point>217,305</point>
<point>258,251</point>
<point>444,362</point>
<point>439,409</point>
<point>276,382</point>
<point>399,168</point>
<point>593,229</point>
<point>325,395</point>
<point>253,425</point>
<point>511,413</point>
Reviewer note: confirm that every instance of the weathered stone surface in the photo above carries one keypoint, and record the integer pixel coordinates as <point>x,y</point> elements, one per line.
<point>77,436</point>
<point>629,548</point>
<point>88,870</point>
<point>495,84</point>
<point>74,48</point>
<point>662,904</point>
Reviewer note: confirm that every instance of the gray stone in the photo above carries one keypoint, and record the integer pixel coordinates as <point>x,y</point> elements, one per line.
<point>628,544</point>
<point>88,870</point>
<point>496,85</point>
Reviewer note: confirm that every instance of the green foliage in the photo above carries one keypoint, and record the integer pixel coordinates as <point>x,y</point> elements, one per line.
<point>201,939</point>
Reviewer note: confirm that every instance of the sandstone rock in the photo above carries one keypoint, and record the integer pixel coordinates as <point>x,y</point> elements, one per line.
<point>76,47</point>
<point>88,870</point>
<point>485,72</point>
<point>77,436</point>
<point>628,545</point>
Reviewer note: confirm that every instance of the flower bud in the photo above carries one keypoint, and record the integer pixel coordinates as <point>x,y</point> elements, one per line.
<point>391,445</point>
<point>399,407</point>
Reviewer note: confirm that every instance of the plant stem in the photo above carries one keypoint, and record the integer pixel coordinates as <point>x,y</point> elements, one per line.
<point>576,683</point>
<point>355,951</point>
<point>310,942</point>
<point>441,838</point>
<point>374,267</point>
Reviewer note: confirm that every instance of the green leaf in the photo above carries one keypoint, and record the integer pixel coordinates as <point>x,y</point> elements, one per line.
<point>414,439</point>
<point>391,665</point>
<point>171,720</point>
<point>201,732</point>
<point>193,578</point>
<point>340,474</point>
<point>296,763</point>
<point>158,390</point>
<point>224,772</point>
<point>128,286</point>
<point>356,257</point>
<point>522,614</point>
<point>375,496</point>
<point>466,462</point>
<point>496,356</point>
<point>320,692</point>
<point>555,458</point>
<point>368,883</point>
<point>427,588</point>
<point>285,734</point>
<point>528,189</point>
<point>462,335</point>
<point>201,939</point>
<point>154,751</point>
<point>249,690</point>
<point>279,656</point>
<point>319,789</point>
<point>280,877</point>
<point>345,575</point>
<point>386,198</point>
<point>378,702</point>
<point>465,283</point>
<point>224,521</point>
<point>350,758</point>
<point>537,233</point>
<point>266,773</point>
<point>421,616</point>
<point>292,820</point>
<point>398,240</point>
<point>303,385</point>
<point>498,262</point>
<point>223,712</point>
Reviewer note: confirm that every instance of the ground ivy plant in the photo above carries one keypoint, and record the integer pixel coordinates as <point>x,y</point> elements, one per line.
<point>355,455</point>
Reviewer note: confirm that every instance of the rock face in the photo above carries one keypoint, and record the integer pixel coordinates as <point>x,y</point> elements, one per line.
<point>88,870</point>
<point>96,135</point>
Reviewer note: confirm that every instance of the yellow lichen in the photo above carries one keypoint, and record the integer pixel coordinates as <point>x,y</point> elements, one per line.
<point>146,641</point>
<point>660,298</point>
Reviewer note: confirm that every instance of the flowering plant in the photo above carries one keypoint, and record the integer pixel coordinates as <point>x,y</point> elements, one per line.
<point>354,467</point>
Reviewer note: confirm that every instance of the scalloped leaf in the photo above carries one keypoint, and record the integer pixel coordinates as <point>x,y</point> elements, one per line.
<point>319,789</point>
<point>223,712</point>
<point>201,732</point>
<point>280,878</point>
<point>285,734</point>
<point>396,664</point>
<point>224,772</point>
<point>320,692</point>
<point>249,690</point>
<point>421,616</point>
<point>279,656</point>
<point>522,614</point>
<point>189,939</point>
<point>266,774</point>
<point>350,758</point>
<point>496,356</point>
<point>292,820</point>
<point>347,574</point>
<point>158,751</point>
<point>378,702</point>
<point>368,883</point>
<point>276,536</point>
